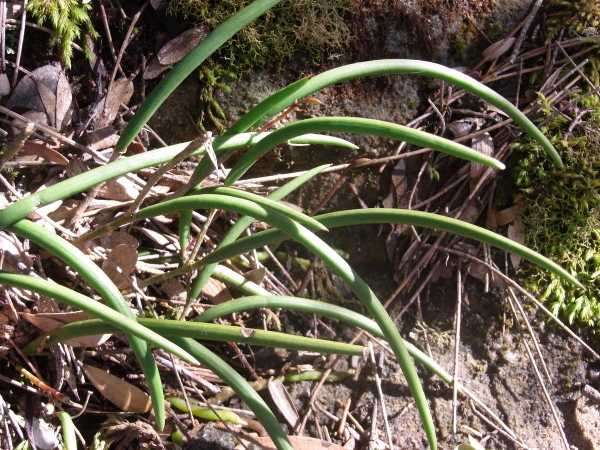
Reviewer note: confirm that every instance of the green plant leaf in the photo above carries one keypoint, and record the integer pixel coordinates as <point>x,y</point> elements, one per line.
<point>277,102</point>
<point>187,65</point>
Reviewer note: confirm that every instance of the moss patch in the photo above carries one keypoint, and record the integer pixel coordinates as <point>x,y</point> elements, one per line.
<point>306,30</point>
<point>561,215</point>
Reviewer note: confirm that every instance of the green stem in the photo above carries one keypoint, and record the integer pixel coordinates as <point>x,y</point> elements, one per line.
<point>211,332</point>
<point>332,260</point>
<point>371,216</point>
<point>68,431</point>
<point>105,314</point>
<point>244,222</point>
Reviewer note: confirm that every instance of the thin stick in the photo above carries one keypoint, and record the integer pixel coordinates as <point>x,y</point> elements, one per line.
<point>524,30</point>
<point>542,384</point>
<point>585,77</point>
<point>456,349</point>
<point>361,162</point>
<point>20,45</point>
<point>185,396</point>
<point>205,140</point>
<point>125,43</point>
<point>381,397</point>
<point>527,294</point>
<point>109,38</point>
<point>536,343</point>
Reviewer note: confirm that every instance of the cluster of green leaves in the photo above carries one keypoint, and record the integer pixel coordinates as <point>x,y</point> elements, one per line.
<point>69,20</point>
<point>561,212</point>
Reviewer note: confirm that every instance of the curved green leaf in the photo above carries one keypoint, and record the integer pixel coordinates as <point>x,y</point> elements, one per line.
<point>105,314</point>
<point>399,216</point>
<point>332,260</point>
<point>277,102</point>
<point>238,228</point>
<point>211,332</point>
<point>86,180</point>
<point>360,126</point>
<point>187,65</point>
<point>97,279</point>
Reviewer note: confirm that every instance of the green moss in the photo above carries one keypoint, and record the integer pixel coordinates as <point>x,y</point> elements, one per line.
<point>300,29</point>
<point>69,21</point>
<point>561,215</point>
<point>576,16</point>
<point>292,29</point>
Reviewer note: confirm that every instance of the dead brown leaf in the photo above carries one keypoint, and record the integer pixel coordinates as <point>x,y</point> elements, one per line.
<point>122,258</point>
<point>45,90</point>
<point>507,215</point>
<point>216,291</point>
<point>102,138</point>
<point>497,49</point>
<point>174,290</point>
<point>516,232</point>
<point>107,109</point>
<point>122,394</point>
<point>121,189</point>
<point>176,49</point>
<point>256,275</point>
<point>282,399</point>
<point>4,85</point>
<point>47,322</point>
<point>483,144</point>
<point>44,150</point>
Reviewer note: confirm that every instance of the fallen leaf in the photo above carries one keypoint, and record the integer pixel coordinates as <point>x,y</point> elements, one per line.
<point>121,189</point>
<point>483,144</point>
<point>45,90</point>
<point>281,398</point>
<point>216,291</point>
<point>122,259</point>
<point>154,69</point>
<point>256,275</point>
<point>107,109</point>
<point>47,322</point>
<point>102,138</point>
<point>4,85</point>
<point>122,394</point>
<point>42,434</point>
<point>507,215</point>
<point>300,443</point>
<point>135,148</point>
<point>44,150</point>
<point>497,49</point>
<point>176,49</point>
<point>174,290</point>
<point>461,127</point>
